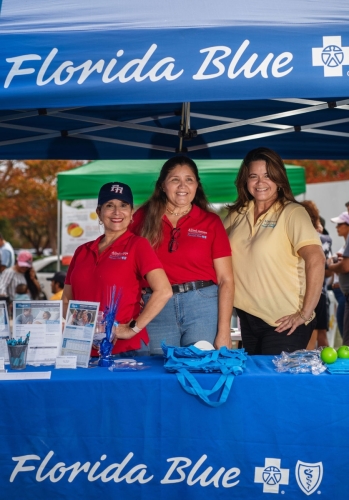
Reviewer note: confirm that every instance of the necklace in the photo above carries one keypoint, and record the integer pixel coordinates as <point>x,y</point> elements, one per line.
<point>177,214</point>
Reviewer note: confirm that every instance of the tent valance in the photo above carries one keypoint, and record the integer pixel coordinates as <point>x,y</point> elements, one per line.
<point>217,178</point>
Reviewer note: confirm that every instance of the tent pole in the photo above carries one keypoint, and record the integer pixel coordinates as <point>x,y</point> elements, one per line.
<point>181,127</point>
<point>59,208</point>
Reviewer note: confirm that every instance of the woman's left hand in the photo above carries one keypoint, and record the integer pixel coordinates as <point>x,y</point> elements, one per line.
<point>122,332</point>
<point>290,322</point>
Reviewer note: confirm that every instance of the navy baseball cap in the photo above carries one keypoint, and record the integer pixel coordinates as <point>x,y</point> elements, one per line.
<point>115,191</point>
<point>58,277</point>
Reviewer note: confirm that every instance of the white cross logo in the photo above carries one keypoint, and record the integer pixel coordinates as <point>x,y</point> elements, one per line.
<point>117,188</point>
<point>332,56</point>
<point>271,475</point>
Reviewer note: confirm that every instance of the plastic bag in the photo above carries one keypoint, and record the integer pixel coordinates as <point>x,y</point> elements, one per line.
<point>301,361</point>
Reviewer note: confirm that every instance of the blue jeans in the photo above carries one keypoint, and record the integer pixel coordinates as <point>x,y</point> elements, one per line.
<point>185,319</point>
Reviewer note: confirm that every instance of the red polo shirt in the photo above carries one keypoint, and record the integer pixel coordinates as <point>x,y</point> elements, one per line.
<point>202,238</point>
<point>124,264</point>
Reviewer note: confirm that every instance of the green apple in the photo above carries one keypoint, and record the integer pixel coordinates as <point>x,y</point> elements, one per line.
<point>343,352</point>
<point>329,355</point>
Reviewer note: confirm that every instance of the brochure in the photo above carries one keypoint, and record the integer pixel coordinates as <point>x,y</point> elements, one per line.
<point>79,330</point>
<point>4,330</point>
<point>43,319</point>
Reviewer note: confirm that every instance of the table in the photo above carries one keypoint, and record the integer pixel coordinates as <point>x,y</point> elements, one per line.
<point>91,433</point>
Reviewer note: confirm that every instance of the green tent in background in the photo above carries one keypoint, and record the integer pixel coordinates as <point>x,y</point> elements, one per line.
<point>217,177</point>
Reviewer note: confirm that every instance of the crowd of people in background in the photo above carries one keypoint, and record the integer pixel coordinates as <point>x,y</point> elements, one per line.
<point>18,280</point>
<point>185,270</point>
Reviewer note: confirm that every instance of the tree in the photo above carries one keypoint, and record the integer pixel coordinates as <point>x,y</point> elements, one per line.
<point>323,170</point>
<point>28,199</point>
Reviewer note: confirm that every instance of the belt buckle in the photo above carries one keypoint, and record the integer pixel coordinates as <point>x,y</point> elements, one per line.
<point>181,288</point>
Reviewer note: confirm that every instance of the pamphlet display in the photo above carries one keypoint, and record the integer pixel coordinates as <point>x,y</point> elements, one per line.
<point>4,330</point>
<point>79,330</point>
<point>43,319</point>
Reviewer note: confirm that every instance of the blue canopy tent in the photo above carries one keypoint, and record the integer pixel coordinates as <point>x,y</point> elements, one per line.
<point>134,79</point>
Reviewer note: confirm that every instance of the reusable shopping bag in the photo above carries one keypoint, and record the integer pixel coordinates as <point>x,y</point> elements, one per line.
<point>185,360</point>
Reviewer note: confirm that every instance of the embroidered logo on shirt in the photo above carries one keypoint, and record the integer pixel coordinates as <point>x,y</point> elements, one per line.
<point>269,223</point>
<point>196,233</point>
<point>118,255</point>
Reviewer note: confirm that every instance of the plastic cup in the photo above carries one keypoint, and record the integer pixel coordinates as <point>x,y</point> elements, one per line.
<point>18,356</point>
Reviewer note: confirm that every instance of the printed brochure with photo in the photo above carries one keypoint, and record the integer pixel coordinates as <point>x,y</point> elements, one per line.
<point>4,330</point>
<point>43,319</point>
<point>79,330</point>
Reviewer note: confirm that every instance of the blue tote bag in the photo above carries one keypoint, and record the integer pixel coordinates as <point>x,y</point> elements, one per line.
<point>185,360</point>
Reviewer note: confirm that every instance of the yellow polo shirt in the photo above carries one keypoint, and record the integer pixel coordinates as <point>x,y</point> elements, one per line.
<point>57,295</point>
<point>268,271</point>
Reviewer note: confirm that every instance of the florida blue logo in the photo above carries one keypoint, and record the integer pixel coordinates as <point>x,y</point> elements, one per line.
<point>332,56</point>
<point>271,475</point>
<point>309,476</point>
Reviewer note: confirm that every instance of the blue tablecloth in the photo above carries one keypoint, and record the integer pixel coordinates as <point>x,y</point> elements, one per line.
<point>91,433</point>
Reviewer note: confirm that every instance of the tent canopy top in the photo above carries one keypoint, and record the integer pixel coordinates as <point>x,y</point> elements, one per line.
<point>135,79</point>
<point>217,178</point>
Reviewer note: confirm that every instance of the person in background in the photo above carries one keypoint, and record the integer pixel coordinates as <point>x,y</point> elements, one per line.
<point>193,247</point>
<point>334,286</point>
<point>322,310</point>
<point>7,255</point>
<point>57,285</point>
<point>21,273</point>
<point>277,257</point>
<point>22,292</point>
<point>342,268</point>
<point>122,259</point>
<point>347,205</point>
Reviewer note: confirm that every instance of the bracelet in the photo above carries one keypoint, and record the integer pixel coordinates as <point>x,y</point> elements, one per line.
<point>304,318</point>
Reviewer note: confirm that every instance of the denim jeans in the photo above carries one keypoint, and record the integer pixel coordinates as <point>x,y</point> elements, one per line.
<point>185,319</point>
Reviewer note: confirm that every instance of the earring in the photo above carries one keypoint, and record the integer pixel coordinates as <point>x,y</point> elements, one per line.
<point>279,188</point>
<point>100,222</point>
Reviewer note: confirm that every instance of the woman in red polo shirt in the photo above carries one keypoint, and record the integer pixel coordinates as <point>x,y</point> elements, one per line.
<point>119,258</point>
<point>192,245</point>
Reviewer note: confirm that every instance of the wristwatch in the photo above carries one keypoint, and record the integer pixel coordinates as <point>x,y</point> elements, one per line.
<point>134,327</point>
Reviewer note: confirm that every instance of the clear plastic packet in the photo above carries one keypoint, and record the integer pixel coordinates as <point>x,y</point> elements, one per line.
<point>301,361</point>
<point>125,365</point>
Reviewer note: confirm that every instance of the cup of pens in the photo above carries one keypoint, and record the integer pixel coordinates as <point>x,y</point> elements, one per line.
<point>17,352</point>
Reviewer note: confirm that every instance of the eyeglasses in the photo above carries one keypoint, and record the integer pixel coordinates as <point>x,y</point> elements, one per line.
<point>173,243</point>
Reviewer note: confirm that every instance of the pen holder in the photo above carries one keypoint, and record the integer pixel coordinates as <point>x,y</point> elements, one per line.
<point>18,356</point>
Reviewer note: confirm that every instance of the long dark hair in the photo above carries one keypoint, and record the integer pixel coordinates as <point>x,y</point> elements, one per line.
<point>34,292</point>
<point>156,205</point>
<point>276,171</point>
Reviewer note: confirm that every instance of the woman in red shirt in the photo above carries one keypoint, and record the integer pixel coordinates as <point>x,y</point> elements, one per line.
<point>119,258</point>
<point>191,243</point>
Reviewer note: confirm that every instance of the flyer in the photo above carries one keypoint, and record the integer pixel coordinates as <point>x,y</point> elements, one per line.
<point>43,319</point>
<point>79,330</point>
<point>4,330</point>
<point>79,224</point>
